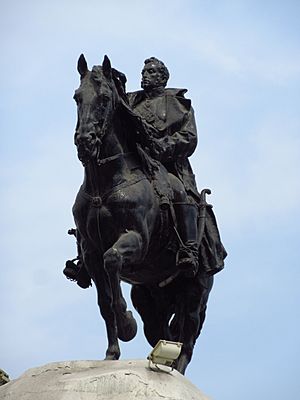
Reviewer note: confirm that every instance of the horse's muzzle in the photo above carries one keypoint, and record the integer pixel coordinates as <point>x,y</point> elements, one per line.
<point>85,144</point>
<point>83,156</point>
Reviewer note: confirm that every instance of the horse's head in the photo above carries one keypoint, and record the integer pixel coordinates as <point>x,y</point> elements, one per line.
<point>97,98</point>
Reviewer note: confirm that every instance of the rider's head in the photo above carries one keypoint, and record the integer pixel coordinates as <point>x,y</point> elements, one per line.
<point>155,74</point>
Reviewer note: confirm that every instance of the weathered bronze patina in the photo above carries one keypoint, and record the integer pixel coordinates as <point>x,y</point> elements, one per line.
<point>139,216</point>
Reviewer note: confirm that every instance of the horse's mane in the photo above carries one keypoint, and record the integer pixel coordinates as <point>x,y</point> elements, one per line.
<point>149,165</point>
<point>118,77</point>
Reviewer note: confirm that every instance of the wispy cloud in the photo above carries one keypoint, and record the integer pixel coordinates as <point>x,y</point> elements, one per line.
<point>257,182</point>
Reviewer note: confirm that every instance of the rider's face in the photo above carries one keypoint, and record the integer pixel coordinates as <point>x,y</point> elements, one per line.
<point>151,76</point>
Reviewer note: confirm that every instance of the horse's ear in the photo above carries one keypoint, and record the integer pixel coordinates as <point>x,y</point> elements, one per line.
<point>106,67</point>
<point>82,67</point>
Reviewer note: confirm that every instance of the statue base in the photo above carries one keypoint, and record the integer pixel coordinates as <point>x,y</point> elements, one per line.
<point>100,380</point>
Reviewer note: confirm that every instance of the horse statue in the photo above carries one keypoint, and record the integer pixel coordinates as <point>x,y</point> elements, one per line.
<point>123,232</point>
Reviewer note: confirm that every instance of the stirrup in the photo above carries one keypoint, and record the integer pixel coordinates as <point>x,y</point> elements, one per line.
<point>77,273</point>
<point>71,270</point>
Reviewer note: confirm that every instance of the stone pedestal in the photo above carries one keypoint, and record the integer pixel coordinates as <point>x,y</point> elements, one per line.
<point>99,380</point>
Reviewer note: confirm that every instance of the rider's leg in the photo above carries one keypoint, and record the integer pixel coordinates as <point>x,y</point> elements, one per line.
<point>187,256</point>
<point>187,217</point>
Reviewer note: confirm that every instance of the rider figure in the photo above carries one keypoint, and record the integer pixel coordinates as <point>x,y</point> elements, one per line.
<point>170,137</point>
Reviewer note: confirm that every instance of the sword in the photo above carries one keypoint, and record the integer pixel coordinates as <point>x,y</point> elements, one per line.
<point>202,213</point>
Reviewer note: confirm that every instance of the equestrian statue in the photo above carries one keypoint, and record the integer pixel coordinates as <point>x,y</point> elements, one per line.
<point>138,214</point>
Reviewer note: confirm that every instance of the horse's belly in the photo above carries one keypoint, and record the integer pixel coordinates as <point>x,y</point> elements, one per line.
<point>144,276</point>
<point>152,271</point>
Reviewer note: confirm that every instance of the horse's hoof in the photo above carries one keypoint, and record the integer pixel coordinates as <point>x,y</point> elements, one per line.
<point>111,357</point>
<point>182,363</point>
<point>127,326</point>
<point>112,354</point>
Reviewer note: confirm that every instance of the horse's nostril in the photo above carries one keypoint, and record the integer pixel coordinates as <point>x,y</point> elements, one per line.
<point>78,141</point>
<point>84,137</point>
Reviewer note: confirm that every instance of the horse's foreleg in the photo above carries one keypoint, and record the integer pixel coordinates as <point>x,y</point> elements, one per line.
<point>126,250</point>
<point>108,314</point>
<point>94,262</point>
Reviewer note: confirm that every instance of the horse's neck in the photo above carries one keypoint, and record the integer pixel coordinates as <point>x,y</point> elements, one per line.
<point>113,168</point>
<point>113,141</point>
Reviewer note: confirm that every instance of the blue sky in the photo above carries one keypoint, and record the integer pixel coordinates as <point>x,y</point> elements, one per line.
<point>240,61</point>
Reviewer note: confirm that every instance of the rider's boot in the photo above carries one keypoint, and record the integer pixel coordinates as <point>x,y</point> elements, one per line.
<point>187,255</point>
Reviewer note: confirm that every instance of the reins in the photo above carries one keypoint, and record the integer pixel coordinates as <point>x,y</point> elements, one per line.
<point>111,158</point>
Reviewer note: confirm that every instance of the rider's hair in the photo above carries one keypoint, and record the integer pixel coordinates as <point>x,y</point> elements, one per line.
<point>161,67</point>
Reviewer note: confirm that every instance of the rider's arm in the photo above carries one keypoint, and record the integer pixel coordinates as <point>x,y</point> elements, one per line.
<point>177,143</point>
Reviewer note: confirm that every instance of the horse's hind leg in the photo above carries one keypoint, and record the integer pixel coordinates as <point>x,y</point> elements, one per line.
<point>194,300</point>
<point>152,312</point>
<point>127,249</point>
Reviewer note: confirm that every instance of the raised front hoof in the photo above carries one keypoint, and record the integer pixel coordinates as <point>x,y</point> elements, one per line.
<point>127,326</point>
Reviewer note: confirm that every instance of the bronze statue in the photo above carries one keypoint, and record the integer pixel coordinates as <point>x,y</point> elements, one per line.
<point>139,217</point>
